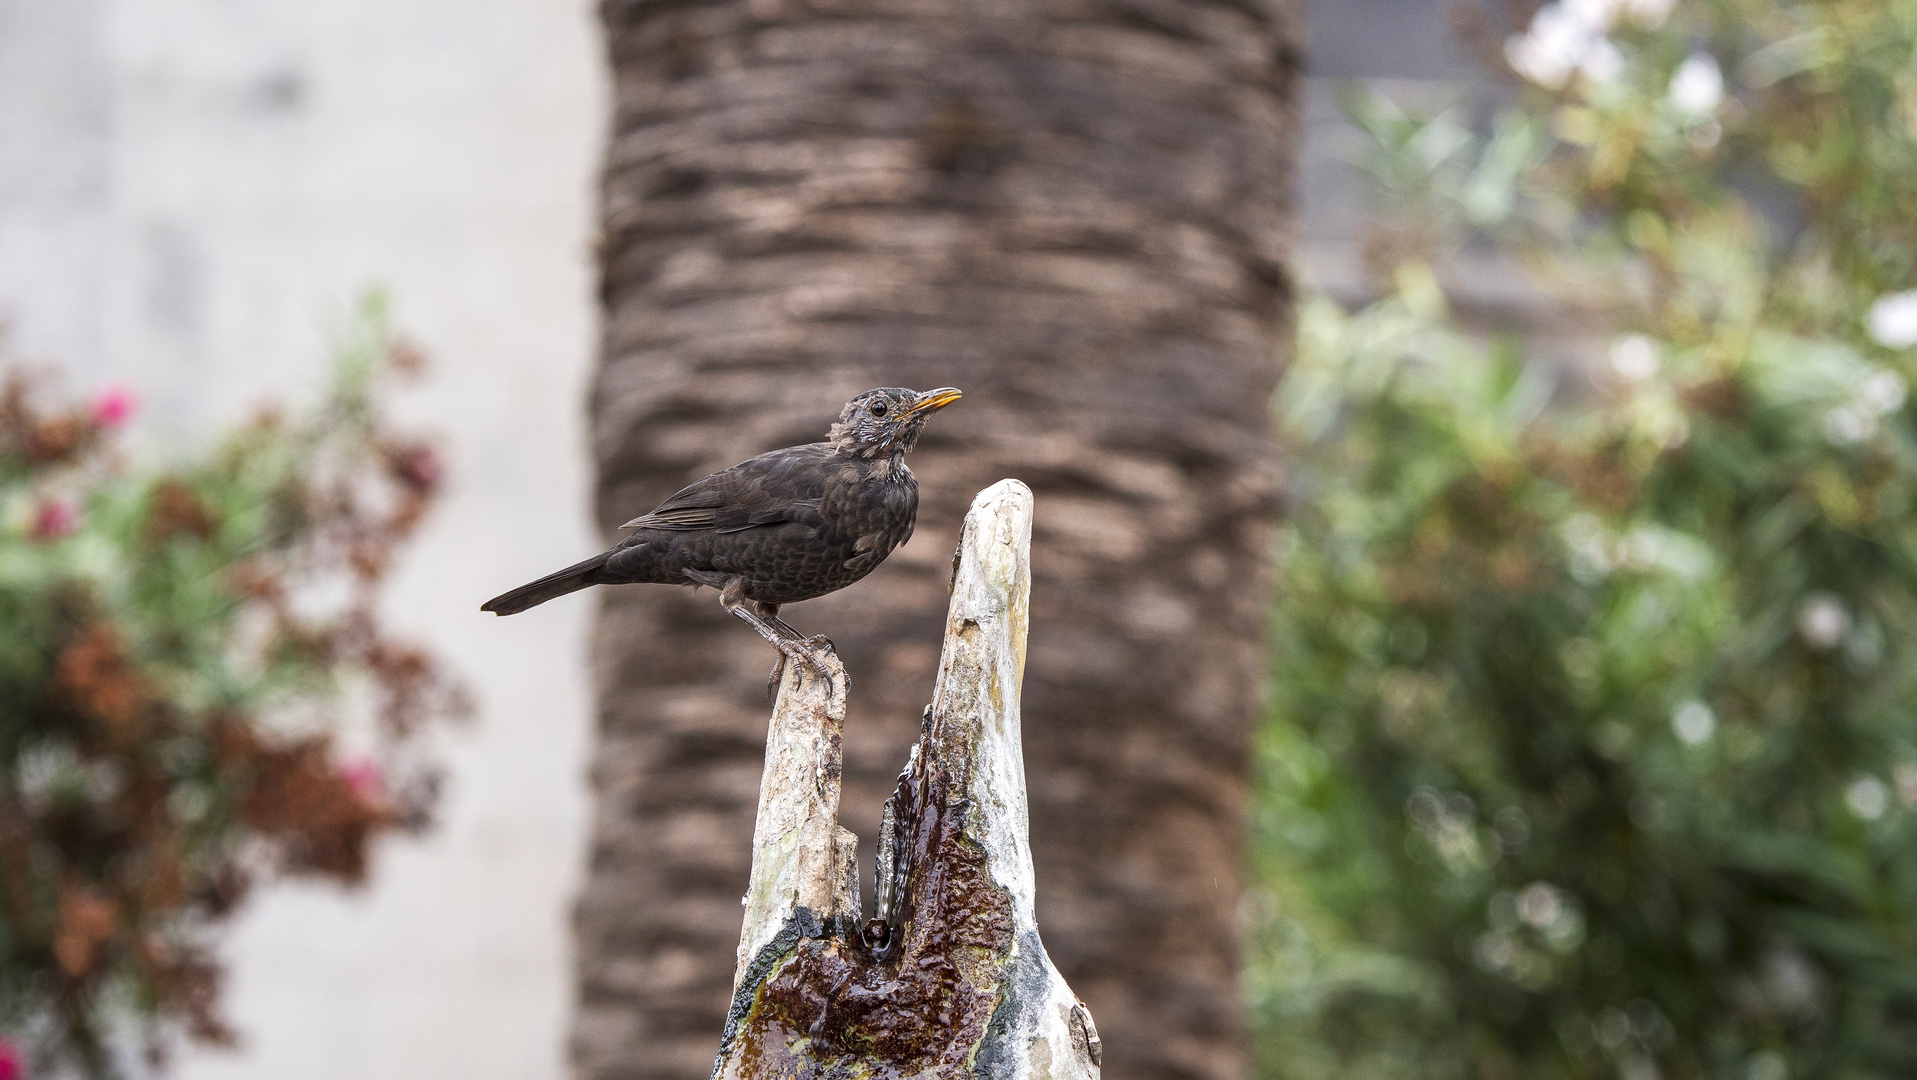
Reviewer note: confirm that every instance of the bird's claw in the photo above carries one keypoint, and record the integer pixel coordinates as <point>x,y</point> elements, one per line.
<point>772,680</point>
<point>812,658</point>
<point>802,652</point>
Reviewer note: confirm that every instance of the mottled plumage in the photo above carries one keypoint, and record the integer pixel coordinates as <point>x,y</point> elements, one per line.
<point>783,527</point>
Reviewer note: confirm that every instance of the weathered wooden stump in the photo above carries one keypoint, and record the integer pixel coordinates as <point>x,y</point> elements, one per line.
<point>949,978</point>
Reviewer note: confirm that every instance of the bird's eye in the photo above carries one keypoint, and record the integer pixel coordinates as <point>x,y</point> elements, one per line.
<point>878,408</point>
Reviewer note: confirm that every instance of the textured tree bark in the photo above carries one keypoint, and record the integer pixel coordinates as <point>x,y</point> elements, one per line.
<point>1075,211</point>
<point>949,979</point>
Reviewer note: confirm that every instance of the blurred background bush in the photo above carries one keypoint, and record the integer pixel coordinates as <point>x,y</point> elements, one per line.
<point>1592,751</point>
<point>184,644</point>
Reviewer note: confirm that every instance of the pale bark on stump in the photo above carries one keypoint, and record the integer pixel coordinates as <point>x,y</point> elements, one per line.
<point>1076,211</point>
<point>950,978</point>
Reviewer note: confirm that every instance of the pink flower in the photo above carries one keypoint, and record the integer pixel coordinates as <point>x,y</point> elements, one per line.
<point>421,468</point>
<point>114,405</point>
<point>54,519</point>
<point>367,780</point>
<point>13,1065</point>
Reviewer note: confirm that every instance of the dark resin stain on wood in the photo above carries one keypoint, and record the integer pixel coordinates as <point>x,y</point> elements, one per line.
<point>889,1001</point>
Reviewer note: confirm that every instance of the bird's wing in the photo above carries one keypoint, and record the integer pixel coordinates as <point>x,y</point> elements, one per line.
<point>767,490</point>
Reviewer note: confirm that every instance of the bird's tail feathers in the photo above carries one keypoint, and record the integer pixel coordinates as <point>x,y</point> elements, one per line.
<point>533,593</point>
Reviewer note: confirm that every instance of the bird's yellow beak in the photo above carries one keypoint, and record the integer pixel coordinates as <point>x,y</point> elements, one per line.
<point>933,400</point>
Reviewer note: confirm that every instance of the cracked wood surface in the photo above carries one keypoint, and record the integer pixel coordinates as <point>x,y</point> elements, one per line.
<point>951,979</point>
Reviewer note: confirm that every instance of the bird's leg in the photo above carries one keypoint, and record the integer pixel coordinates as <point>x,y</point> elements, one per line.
<point>732,598</point>
<point>770,613</point>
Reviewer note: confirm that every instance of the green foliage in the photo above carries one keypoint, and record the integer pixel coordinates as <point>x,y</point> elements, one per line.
<point>1593,750</point>
<point>180,645</point>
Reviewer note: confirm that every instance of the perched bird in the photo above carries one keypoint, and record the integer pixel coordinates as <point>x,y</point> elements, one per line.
<point>783,527</point>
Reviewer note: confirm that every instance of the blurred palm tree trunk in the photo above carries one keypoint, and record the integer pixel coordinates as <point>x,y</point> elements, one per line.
<point>1074,210</point>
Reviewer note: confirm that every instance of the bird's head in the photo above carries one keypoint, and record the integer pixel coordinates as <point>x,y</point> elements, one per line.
<point>887,420</point>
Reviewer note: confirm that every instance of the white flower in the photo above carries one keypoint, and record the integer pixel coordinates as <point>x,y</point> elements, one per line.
<point>1766,1066</point>
<point>1597,14</point>
<point>1567,38</point>
<point>1634,357</point>
<point>1878,394</point>
<point>1604,13</point>
<point>1893,320</point>
<point>1648,12</point>
<point>1602,62</point>
<point>1496,951</point>
<point>1906,776</point>
<point>42,767</point>
<point>1848,425</point>
<point>1669,428</point>
<point>1704,136</point>
<point>1697,87</point>
<point>1539,904</point>
<point>1883,391</point>
<point>1611,1028</point>
<point>1823,621</point>
<point>1549,51</point>
<point>1868,797</point>
<point>1640,549</point>
<point>1590,546</point>
<point>1694,722</point>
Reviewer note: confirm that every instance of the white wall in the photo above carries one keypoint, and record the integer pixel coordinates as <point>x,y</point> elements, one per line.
<point>191,191</point>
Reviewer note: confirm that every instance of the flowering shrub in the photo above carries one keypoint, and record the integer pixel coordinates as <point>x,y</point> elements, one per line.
<point>180,645</point>
<point>1594,751</point>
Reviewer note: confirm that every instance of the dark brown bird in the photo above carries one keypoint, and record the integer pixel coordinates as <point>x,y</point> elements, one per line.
<point>783,527</point>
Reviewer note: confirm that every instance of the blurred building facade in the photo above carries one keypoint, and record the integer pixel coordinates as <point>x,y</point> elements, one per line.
<point>1425,56</point>
<point>1405,49</point>
<point>193,194</point>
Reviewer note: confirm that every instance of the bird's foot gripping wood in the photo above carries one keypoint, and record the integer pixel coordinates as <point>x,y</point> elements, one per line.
<point>817,645</point>
<point>764,618</point>
<point>802,652</point>
<point>952,980</point>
